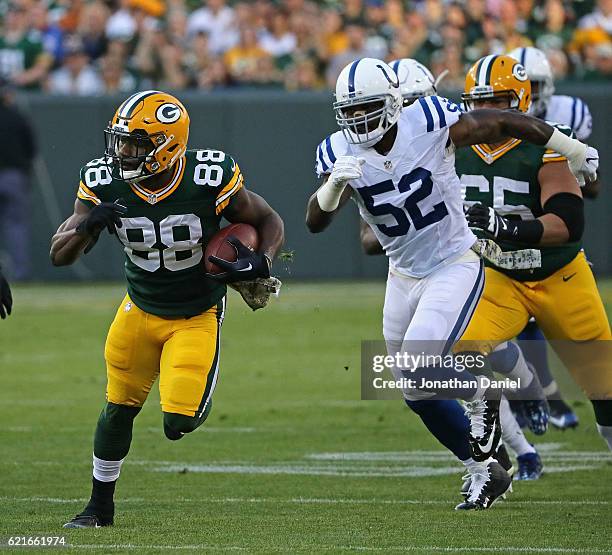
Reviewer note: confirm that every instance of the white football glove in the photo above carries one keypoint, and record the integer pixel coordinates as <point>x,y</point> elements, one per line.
<point>588,170</point>
<point>583,160</point>
<point>345,169</point>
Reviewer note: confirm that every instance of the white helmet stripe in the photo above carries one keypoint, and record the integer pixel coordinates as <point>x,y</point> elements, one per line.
<point>124,111</point>
<point>483,70</point>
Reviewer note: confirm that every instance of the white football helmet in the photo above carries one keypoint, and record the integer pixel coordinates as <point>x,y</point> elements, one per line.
<point>540,74</point>
<point>415,80</point>
<point>368,101</point>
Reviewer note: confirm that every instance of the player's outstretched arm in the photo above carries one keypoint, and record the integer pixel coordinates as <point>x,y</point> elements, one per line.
<point>79,233</point>
<point>249,208</point>
<point>490,126</point>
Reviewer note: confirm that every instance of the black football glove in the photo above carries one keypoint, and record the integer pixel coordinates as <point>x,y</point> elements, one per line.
<point>104,215</point>
<point>248,266</point>
<point>486,219</point>
<point>6,299</point>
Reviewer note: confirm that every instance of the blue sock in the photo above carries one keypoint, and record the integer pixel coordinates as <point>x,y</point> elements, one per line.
<point>504,360</point>
<point>534,348</point>
<point>447,422</point>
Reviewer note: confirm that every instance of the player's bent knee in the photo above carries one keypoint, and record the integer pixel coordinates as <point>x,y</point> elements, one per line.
<point>179,424</point>
<point>118,416</point>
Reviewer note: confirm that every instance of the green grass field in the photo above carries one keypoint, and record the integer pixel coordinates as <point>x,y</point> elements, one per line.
<point>290,460</point>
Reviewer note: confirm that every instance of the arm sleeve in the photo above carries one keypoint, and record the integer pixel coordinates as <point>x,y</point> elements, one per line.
<point>324,158</point>
<point>230,186</point>
<point>328,151</point>
<point>85,192</point>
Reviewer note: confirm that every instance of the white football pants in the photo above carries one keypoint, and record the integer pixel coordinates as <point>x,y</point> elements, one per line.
<point>435,309</point>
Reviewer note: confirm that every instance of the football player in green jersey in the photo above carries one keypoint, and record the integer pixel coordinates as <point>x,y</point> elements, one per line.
<point>525,196</point>
<point>164,203</point>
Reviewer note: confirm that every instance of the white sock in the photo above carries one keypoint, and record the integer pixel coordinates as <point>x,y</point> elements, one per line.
<point>606,433</point>
<point>471,464</point>
<point>551,389</point>
<point>512,435</point>
<point>106,471</point>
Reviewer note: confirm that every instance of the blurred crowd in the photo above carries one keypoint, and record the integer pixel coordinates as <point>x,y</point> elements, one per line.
<point>92,47</point>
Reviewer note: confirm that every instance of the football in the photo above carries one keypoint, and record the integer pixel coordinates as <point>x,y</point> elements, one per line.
<point>220,247</point>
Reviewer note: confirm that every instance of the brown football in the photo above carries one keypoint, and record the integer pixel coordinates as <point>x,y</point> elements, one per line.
<point>219,246</point>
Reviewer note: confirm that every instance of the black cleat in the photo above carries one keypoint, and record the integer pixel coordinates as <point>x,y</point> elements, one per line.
<point>502,457</point>
<point>489,482</point>
<point>88,521</point>
<point>537,415</point>
<point>535,407</point>
<point>485,427</point>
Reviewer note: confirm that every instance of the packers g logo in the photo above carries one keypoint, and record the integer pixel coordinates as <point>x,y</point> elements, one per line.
<point>168,113</point>
<point>519,72</point>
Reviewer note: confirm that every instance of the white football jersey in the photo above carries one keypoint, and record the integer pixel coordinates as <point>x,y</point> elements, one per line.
<point>411,197</point>
<point>571,111</point>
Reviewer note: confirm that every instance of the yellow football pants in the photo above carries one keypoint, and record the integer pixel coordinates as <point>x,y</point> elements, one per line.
<point>569,310</point>
<point>183,352</point>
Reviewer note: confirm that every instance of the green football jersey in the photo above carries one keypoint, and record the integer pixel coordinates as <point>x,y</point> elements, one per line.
<point>165,233</point>
<point>506,178</point>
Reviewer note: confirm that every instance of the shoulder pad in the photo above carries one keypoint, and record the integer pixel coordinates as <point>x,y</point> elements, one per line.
<point>96,173</point>
<point>432,113</point>
<point>217,173</point>
<point>93,176</point>
<point>328,152</point>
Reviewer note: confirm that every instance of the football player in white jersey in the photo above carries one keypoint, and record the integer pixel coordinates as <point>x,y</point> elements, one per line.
<point>398,166</point>
<point>416,81</point>
<point>573,112</point>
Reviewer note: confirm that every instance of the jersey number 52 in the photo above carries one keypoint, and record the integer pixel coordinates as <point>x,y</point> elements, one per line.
<point>410,211</point>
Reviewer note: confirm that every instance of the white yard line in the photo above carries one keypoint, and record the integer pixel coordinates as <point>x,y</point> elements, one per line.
<point>338,470</point>
<point>335,548</point>
<point>308,501</point>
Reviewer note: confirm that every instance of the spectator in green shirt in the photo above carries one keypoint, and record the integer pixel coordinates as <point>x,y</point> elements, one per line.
<point>23,60</point>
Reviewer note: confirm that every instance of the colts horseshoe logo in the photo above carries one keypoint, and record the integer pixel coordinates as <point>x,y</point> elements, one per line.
<point>168,113</point>
<point>393,82</point>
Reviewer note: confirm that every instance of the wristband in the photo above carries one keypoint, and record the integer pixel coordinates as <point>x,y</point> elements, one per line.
<point>329,195</point>
<point>526,231</point>
<point>572,149</point>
